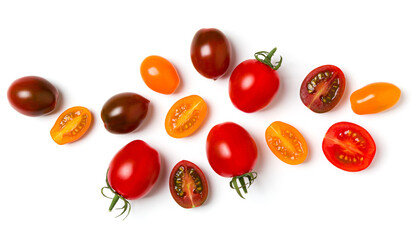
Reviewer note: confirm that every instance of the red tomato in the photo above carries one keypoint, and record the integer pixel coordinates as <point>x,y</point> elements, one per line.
<point>188,185</point>
<point>349,146</point>
<point>323,88</point>
<point>254,83</point>
<point>232,152</point>
<point>210,53</point>
<point>32,96</point>
<point>132,172</point>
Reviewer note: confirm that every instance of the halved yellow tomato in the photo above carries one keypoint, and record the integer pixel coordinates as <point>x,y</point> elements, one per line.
<point>286,142</point>
<point>185,116</point>
<point>71,125</point>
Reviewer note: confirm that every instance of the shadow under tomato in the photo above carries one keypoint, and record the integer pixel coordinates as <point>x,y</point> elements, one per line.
<point>148,118</point>
<point>181,81</point>
<point>232,65</point>
<point>59,105</point>
<point>163,180</point>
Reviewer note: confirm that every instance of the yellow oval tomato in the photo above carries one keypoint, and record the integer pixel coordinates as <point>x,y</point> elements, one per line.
<point>286,142</point>
<point>185,116</point>
<point>71,125</point>
<point>374,98</point>
<point>159,74</point>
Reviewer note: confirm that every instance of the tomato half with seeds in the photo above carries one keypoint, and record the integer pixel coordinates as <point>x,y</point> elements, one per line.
<point>71,125</point>
<point>159,74</point>
<point>323,88</point>
<point>374,98</point>
<point>232,152</point>
<point>188,184</point>
<point>286,142</point>
<point>349,146</point>
<point>185,116</point>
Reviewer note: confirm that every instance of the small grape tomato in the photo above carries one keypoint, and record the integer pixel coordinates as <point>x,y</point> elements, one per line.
<point>349,146</point>
<point>188,184</point>
<point>185,116</point>
<point>159,74</point>
<point>374,98</point>
<point>71,125</point>
<point>286,142</point>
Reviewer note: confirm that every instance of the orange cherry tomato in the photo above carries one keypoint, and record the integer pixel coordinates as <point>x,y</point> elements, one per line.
<point>71,125</point>
<point>159,74</point>
<point>374,98</point>
<point>286,142</point>
<point>185,116</point>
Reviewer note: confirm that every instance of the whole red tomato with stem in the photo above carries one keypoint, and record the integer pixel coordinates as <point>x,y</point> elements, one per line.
<point>232,152</point>
<point>132,173</point>
<point>254,82</point>
<point>210,53</point>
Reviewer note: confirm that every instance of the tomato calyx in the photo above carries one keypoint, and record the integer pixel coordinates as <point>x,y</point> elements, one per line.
<point>267,58</point>
<point>115,198</point>
<point>250,176</point>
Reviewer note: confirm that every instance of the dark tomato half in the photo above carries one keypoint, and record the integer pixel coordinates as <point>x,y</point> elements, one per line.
<point>349,146</point>
<point>124,112</point>
<point>210,53</point>
<point>188,185</point>
<point>323,88</point>
<point>32,96</point>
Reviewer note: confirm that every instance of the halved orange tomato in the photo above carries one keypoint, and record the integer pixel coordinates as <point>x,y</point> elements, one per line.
<point>286,142</point>
<point>71,125</point>
<point>185,116</point>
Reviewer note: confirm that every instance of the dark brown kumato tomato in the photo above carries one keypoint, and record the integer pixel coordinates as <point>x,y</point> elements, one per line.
<point>210,53</point>
<point>323,88</point>
<point>188,185</point>
<point>32,96</point>
<point>124,112</point>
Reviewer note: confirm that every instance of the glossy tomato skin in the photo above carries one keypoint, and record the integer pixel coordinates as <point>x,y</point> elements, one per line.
<point>134,170</point>
<point>349,146</point>
<point>252,85</point>
<point>231,151</point>
<point>124,112</point>
<point>188,184</point>
<point>159,74</point>
<point>323,88</point>
<point>185,116</point>
<point>32,96</point>
<point>210,53</point>
<point>71,125</point>
<point>374,98</point>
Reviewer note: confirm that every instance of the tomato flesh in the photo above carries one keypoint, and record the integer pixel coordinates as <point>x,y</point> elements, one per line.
<point>185,116</point>
<point>231,151</point>
<point>210,53</point>
<point>124,112</point>
<point>71,125</point>
<point>374,98</point>
<point>159,74</point>
<point>323,88</point>
<point>134,170</point>
<point>188,185</point>
<point>286,142</point>
<point>349,146</point>
<point>252,85</point>
<point>32,96</point>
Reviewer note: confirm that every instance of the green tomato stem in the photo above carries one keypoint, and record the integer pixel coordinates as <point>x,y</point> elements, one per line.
<point>114,201</point>
<point>266,58</point>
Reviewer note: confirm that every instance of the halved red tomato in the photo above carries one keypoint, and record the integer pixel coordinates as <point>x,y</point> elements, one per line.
<point>188,185</point>
<point>349,146</point>
<point>323,88</point>
<point>185,116</point>
<point>286,142</point>
<point>71,125</point>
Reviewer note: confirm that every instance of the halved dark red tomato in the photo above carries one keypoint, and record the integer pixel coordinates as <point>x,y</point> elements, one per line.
<point>188,185</point>
<point>349,146</point>
<point>323,88</point>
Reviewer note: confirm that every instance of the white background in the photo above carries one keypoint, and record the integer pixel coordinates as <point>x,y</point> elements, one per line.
<point>91,50</point>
